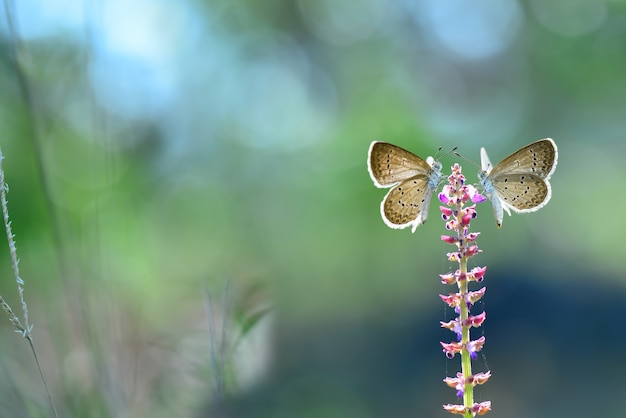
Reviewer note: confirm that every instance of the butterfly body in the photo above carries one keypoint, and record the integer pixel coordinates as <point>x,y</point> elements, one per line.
<point>412,181</point>
<point>520,181</point>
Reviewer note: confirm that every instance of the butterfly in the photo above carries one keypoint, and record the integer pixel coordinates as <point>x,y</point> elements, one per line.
<point>412,181</point>
<point>520,181</point>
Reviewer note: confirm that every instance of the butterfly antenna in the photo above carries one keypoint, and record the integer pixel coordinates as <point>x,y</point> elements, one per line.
<point>452,150</point>
<point>465,158</point>
<point>439,150</point>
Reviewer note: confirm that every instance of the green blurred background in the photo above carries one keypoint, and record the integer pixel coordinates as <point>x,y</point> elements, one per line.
<point>199,235</point>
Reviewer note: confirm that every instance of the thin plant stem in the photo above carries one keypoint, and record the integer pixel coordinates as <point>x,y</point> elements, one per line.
<point>218,341</point>
<point>25,329</point>
<point>466,361</point>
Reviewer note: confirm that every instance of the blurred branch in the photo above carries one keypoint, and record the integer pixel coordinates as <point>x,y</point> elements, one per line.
<point>19,55</point>
<point>218,342</point>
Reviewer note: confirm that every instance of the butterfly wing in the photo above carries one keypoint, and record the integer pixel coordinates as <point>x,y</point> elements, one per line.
<point>538,158</point>
<point>389,164</point>
<point>485,163</point>
<point>407,203</point>
<point>413,180</point>
<point>522,192</point>
<point>520,181</point>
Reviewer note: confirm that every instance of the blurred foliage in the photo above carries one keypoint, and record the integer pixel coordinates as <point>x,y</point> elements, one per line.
<point>168,148</point>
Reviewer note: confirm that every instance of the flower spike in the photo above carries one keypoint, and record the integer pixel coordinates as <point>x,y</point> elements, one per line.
<point>458,217</point>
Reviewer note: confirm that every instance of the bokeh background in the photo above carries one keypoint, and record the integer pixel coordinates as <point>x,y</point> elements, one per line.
<point>199,235</point>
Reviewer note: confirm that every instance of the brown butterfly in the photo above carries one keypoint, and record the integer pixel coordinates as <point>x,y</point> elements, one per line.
<point>520,181</point>
<point>412,181</point>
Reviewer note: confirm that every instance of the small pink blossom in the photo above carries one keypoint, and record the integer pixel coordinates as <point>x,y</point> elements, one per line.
<point>475,346</point>
<point>457,383</point>
<point>448,278</point>
<point>475,296</point>
<point>477,409</point>
<point>471,251</point>
<point>477,379</point>
<point>450,349</point>
<point>453,326</point>
<point>478,198</point>
<point>452,299</point>
<point>480,378</point>
<point>455,409</point>
<point>481,408</point>
<point>477,273</point>
<point>471,237</point>
<point>454,257</point>
<point>475,320</point>
<point>449,240</point>
<point>446,212</point>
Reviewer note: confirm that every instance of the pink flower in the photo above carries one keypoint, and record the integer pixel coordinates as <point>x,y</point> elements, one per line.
<point>446,212</point>
<point>471,251</point>
<point>475,346</point>
<point>454,257</point>
<point>455,195</point>
<point>454,326</point>
<point>477,273</point>
<point>475,320</point>
<point>448,278</point>
<point>448,239</point>
<point>452,299</point>
<point>478,198</point>
<point>477,409</point>
<point>473,297</point>
<point>450,349</point>
<point>471,237</point>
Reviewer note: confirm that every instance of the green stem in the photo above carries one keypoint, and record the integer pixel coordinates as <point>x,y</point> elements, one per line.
<point>466,361</point>
<point>43,379</point>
